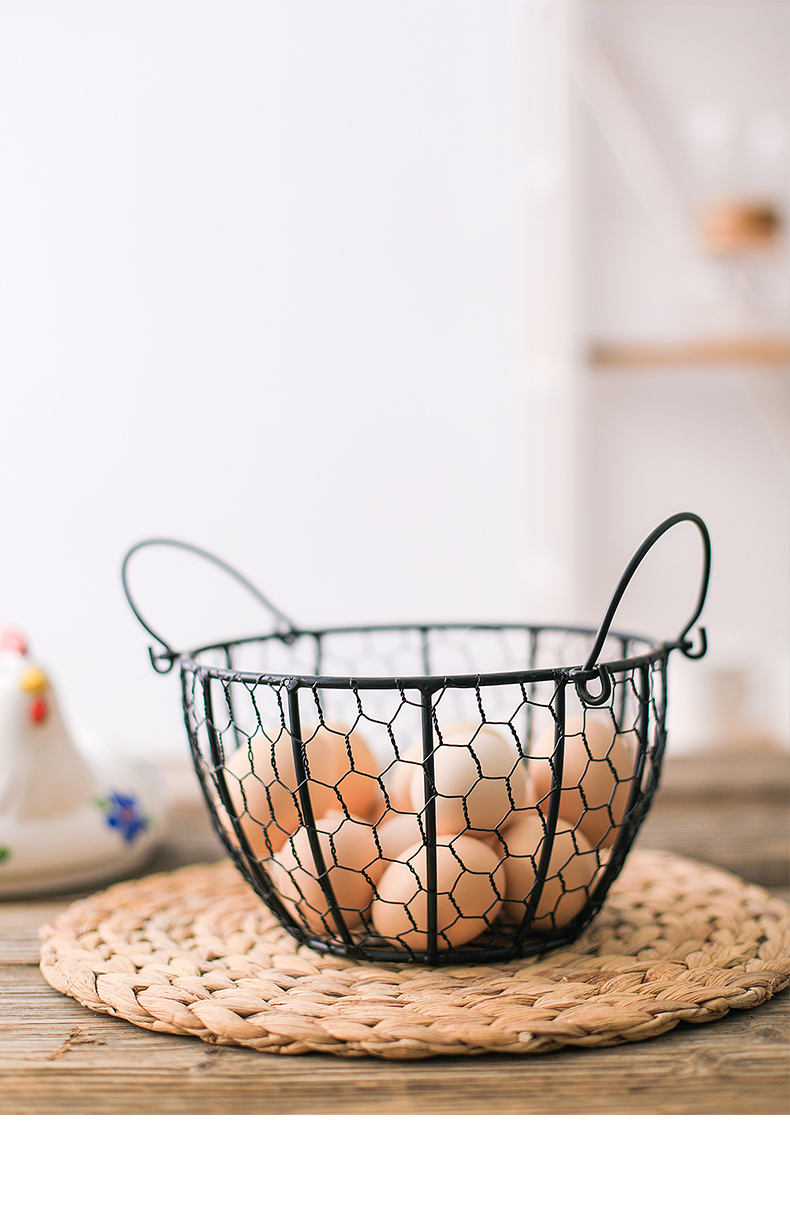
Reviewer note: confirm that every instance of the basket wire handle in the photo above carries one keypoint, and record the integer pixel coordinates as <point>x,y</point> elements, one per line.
<point>163,660</point>
<point>590,669</point>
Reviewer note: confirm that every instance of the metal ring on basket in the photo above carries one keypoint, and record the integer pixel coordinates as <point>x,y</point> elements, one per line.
<point>590,670</point>
<point>631,699</point>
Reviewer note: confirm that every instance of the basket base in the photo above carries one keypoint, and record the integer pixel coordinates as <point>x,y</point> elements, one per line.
<point>196,952</point>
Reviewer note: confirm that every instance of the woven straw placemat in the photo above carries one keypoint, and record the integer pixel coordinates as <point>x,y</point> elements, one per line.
<point>196,952</point>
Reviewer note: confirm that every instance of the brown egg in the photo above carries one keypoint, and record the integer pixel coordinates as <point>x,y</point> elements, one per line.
<point>352,863</point>
<point>354,774</point>
<point>480,780</point>
<point>597,772</point>
<point>397,778</point>
<point>398,832</point>
<point>572,871</point>
<point>470,884</point>
<point>262,783</point>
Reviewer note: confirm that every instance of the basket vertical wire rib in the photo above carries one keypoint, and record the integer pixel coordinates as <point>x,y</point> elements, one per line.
<point>226,703</point>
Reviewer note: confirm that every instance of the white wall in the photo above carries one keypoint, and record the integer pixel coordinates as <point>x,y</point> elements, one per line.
<point>293,281</point>
<point>691,98</point>
<point>263,290</point>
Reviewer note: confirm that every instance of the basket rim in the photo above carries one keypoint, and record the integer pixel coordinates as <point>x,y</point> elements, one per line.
<point>209,681</point>
<point>189,661</point>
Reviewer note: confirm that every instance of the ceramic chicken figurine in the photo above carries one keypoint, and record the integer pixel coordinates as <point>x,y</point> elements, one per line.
<point>66,820</point>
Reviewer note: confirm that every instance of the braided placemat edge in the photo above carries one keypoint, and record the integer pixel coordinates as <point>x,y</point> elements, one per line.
<point>195,952</point>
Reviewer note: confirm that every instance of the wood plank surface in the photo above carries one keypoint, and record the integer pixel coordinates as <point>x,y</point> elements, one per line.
<point>56,1057</point>
<point>63,1059</point>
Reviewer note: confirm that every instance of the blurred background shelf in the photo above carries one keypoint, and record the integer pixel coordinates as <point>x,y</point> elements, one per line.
<point>731,809</point>
<point>760,352</point>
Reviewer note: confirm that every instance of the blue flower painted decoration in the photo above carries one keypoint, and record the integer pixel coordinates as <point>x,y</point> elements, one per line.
<point>124,814</point>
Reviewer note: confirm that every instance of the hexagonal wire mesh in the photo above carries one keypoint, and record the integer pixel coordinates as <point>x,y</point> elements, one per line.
<point>430,793</point>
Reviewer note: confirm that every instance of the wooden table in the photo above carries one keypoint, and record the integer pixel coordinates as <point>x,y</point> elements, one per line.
<point>57,1057</point>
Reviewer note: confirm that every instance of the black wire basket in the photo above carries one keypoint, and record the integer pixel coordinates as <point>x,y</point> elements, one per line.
<point>429,793</point>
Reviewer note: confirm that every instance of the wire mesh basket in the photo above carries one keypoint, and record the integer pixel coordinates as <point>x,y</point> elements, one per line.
<point>429,793</point>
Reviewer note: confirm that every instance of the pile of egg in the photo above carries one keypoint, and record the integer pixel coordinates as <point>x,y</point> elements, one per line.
<point>490,825</point>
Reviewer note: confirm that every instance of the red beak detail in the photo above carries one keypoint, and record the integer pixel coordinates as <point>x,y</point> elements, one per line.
<point>39,710</point>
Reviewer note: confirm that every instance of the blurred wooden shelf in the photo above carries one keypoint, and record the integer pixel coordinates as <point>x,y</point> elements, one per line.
<point>761,772</point>
<point>757,352</point>
<point>728,808</point>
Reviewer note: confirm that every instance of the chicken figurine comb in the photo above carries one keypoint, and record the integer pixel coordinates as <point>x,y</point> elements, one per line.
<point>66,820</point>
